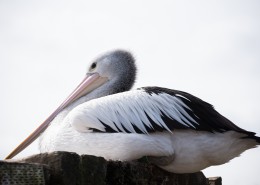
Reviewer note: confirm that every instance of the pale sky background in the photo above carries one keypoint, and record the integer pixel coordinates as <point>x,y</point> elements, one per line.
<point>208,48</point>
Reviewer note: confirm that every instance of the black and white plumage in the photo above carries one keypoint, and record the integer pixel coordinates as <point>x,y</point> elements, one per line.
<point>101,117</point>
<point>152,109</point>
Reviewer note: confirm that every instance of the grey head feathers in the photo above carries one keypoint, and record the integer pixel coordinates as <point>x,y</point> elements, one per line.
<point>120,67</point>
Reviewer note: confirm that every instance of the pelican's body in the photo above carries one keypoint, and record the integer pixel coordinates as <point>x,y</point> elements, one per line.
<point>75,129</point>
<point>175,130</point>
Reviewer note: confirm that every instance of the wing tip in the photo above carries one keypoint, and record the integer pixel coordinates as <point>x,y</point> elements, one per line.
<point>252,135</point>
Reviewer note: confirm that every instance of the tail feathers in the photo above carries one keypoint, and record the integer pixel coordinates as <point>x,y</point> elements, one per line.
<point>252,135</point>
<point>257,139</point>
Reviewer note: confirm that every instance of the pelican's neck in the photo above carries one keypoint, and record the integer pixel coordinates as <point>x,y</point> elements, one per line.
<point>111,87</point>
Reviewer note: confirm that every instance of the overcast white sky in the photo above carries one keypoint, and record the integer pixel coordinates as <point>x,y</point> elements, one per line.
<point>208,48</point>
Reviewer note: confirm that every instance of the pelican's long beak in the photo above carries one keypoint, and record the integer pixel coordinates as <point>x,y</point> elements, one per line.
<point>89,83</point>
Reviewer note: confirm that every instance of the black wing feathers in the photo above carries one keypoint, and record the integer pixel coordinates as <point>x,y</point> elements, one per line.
<point>205,116</point>
<point>203,113</point>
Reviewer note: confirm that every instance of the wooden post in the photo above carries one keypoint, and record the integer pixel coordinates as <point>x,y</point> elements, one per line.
<point>64,168</point>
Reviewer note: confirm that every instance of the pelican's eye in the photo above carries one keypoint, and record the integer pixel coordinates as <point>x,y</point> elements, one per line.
<point>93,66</point>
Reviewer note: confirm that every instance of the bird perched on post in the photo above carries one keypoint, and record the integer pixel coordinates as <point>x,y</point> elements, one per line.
<point>103,117</point>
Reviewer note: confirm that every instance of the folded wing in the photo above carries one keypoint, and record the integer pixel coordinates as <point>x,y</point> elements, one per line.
<point>149,109</point>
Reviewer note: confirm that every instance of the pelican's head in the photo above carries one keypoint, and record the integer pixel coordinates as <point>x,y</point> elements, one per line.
<point>117,67</point>
<point>112,72</point>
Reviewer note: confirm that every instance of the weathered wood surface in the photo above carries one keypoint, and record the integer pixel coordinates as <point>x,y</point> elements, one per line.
<point>64,168</point>
<point>215,181</point>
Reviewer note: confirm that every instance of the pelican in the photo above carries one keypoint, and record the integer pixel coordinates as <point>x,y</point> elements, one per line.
<point>177,131</point>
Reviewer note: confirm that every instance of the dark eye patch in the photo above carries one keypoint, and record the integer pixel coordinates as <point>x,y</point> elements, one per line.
<point>93,65</point>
